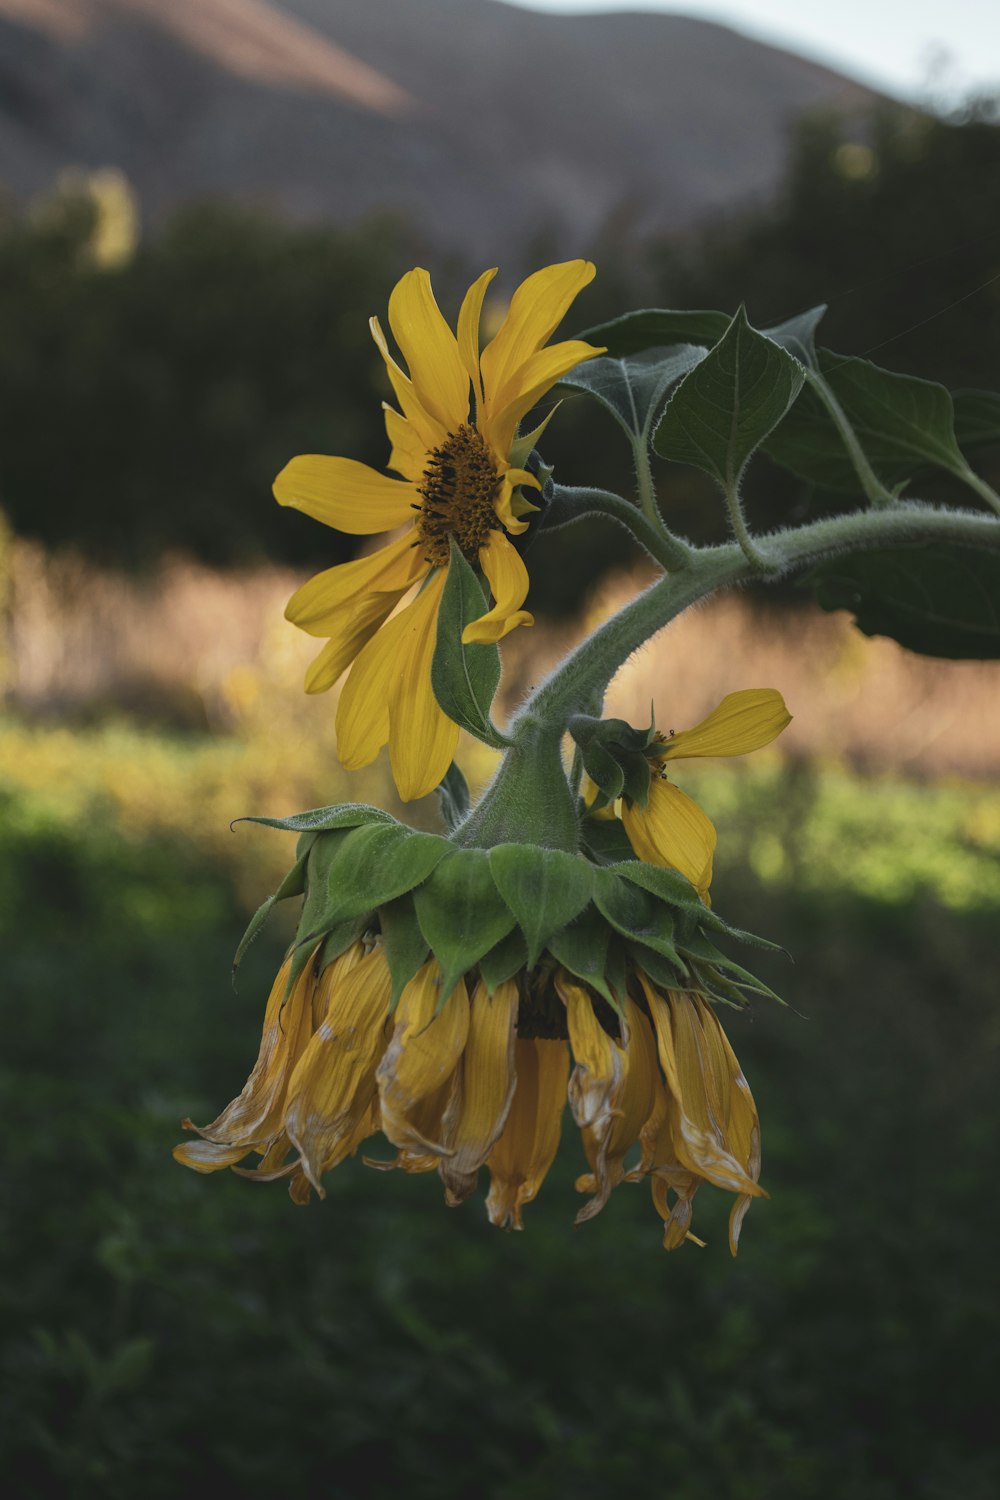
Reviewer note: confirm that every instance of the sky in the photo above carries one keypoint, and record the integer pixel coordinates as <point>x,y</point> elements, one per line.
<point>920,50</point>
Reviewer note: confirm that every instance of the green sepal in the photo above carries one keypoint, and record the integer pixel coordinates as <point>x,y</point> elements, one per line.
<point>721,413</point>
<point>461,913</point>
<point>544,888</point>
<point>657,968</point>
<point>634,387</point>
<point>465,678</point>
<point>315,919</point>
<point>605,841</point>
<point>699,948</point>
<point>340,938</point>
<point>636,913</point>
<point>293,884</point>
<point>614,756</point>
<point>940,601</point>
<point>503,961</point>
<point>673,888</point>
<point>377,863</point>
<point>582,948</point>
<point>616,972</point>
<point>405,947</point>
<point>321,819</point>
<point>453,797</point>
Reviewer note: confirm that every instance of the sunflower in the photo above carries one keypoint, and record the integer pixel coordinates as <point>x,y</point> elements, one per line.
<point>462,480</point>
<point>672,829</point>
<point>483,1079</point>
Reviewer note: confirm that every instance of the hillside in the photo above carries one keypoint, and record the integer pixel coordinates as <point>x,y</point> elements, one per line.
<point>483,122</point>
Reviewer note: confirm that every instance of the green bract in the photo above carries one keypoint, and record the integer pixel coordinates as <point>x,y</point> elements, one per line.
<point>511,908</point>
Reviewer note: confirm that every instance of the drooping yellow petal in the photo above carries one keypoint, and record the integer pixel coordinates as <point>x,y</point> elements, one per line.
<point>742,722</point>
<point>599,1063</point>
<point>431,430</point>
<point>527,1147</point>
<point>742,1127</point>
<point>332,1087</point>
<point>635,1104</point>
<point>336,601</point>
<point>430,350</point>
<point>536,310</point>
<point>486,1088</point>
<point>508,580</point>
<point>427,1043</point>
<point>468,331</point>
<point>422,739</point>
<point>672,830</point>
<point>345,494</point>
<point>408,456</point>
<point>254,1119</point>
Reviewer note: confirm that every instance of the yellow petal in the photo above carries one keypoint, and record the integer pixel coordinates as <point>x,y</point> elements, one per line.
<point>332,1087</point>
<point>208,1156</point>
<point>742,722</point>
<point>430,429</point>
<point>528,385</point>
<point>254,1118</point>
<point>468,330</point>
<point>345,494</point>
<point>408,456</point>
<point>338,599</point>
<point>672,830</point>
<point>422,739</point>
<point>427,1043</point>
<point>430,350</point>
<point>536,310</point>
<point>527,1147</point>
<point>742,1127</point>
<point>634,1104</point>
<point>486,1088</point>
<point>508,580</point>
<point>599,1068</point>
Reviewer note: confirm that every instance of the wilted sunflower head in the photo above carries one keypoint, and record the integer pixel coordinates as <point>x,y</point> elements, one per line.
<point>486,991</point>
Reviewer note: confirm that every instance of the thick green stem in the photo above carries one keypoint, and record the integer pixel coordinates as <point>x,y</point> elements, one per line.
<point>529,800</point>
<point>985,491</point>
<point>587,671</point>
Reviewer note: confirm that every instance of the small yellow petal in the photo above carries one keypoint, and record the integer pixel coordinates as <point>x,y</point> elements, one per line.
<point>742,722</point>
<point>345,494</point>
<point>408,456</point>
<point>430,429</point>
<point>430,350</point>
<point>508,580</point>
<point>422,739</point>
<point>527,1147</point>
<point>468,330</point>
<point>672,830</point>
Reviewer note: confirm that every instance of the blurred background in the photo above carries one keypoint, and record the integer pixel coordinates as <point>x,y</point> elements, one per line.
<point>200,206</point>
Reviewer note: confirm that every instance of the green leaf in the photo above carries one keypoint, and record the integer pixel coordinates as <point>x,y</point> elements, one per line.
<point>461,913</point>
<point>940,601</point>
<point>344,815</point>
<point>901,423</point>
<point>453,795</point>
<point>729,403</point>
<point>636,913</point>
<point>375,864</point>
<point>634,388</point>
<point>544,888</point>
<point>797,336</point>
<point>582,948</point>
<point>404,944</point>
<point>654,328</point>
<point>465,678</point>
<point>665,884</point>
<point>293,884</point>
<point>606,841</point>
<point>977,419</point>
<point>508,958</point>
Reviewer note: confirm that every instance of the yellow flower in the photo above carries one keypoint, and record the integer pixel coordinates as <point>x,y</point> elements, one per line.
<point>462,471</point>
<point>672,829</point>
<point>483,1080</point>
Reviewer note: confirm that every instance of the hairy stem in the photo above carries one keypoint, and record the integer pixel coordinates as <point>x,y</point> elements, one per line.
<point>579,504</point>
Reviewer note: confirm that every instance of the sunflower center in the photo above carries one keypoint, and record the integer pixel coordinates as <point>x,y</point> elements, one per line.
<point>458,494</point>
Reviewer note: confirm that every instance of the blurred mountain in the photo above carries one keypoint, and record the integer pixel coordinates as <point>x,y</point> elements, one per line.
<point>482,122</point>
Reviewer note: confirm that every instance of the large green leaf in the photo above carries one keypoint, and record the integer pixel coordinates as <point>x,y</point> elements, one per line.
<point>655,328</point>
<point>941,601</point>
<point>634,388</point>
<point>461,913</point>
<point>901,423</point>
<point>797,336</point>
<point>375,864</point>
<point>544,888</point>
<point>465,678</point>
<point>977,419</point>
<point>722,412</point>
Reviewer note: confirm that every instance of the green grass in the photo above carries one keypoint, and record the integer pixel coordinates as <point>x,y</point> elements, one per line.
<point>167,1332</point>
